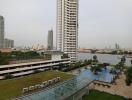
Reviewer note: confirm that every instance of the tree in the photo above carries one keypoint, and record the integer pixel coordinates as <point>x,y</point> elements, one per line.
<point>131,62</point>
<point>37,71</point>
<point>120,66</point>
<point>114,52</point>
<point>129,76</point>
<point>4,58</point>
<point>8,76</point>
<point>87,62</point>
<point>93,51</point>
<point>122,62</point>
<point>117,67</point>
<point>95,69</point>
<point>95,59</point>
<point>61,65</point>
<point>113,71</point>
<point>72,66</point>
<point>123,59</point>
<point>78,64</point>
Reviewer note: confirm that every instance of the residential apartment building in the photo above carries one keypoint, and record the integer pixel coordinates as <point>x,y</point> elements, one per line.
<point>67,27</point>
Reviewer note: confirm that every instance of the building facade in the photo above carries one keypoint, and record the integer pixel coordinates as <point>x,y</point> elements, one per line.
<point>8,43</point>
<point>50,40</point>
<point>67,27</point>
<point>23,69</point>
<point>4,43</point>
<point>1,32</point>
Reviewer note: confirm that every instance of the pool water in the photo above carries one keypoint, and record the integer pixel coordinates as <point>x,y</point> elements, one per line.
<point>104,75</point>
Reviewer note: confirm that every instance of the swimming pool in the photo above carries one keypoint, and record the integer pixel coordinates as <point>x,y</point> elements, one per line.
<point>104,75</point>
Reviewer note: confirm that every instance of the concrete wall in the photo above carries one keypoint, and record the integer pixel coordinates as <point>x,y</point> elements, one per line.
<point>56,57</point>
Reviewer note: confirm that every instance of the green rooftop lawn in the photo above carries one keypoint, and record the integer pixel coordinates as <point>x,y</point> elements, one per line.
<point>96,95</point>
<point>13,87</point>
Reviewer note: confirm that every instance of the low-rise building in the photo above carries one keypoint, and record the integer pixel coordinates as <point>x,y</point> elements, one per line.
<point>6,50</point>
<point>22,69</point>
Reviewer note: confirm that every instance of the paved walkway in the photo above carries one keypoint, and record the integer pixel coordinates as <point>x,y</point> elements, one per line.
<point>120,88</point>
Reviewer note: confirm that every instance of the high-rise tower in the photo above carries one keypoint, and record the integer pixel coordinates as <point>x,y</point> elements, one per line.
<point>50,40</point>
<point>67,27</point>
<point>1,32</point>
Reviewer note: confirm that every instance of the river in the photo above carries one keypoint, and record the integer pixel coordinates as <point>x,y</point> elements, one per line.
<point>107,58</point>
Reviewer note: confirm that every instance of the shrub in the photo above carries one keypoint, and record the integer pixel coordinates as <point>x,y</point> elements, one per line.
<point>8,76</point>
<point>128,82</point>
<point>37,71</point>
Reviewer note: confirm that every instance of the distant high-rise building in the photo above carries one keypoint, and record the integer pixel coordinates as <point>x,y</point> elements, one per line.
<point>8,43</point>
<point>1,32</point>
<point>4,43</point>
<point>50,40</point>
<point>117,46</point>
<point>67,27</point>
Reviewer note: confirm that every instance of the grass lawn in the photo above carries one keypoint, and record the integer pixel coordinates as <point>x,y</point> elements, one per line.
<point>13,87</point>
<point>96,95</point>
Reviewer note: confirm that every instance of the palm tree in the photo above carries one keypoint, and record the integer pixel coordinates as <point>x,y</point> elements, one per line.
<point>121,64</point>
<point>123,59</point>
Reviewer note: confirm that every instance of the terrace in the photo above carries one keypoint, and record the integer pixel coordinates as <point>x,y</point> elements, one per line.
<point>14,87</point>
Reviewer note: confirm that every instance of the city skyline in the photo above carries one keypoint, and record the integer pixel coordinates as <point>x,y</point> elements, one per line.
<point>104,23</point>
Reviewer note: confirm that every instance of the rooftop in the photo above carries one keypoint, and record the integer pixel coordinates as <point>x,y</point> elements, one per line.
<point>13,87</point>
<point>30,63</point>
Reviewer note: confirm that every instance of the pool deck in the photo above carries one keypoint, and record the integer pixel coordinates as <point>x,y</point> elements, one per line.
<point>119,89</point>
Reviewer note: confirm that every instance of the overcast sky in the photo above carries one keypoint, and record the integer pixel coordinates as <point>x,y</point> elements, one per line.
<point>101,22</point>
